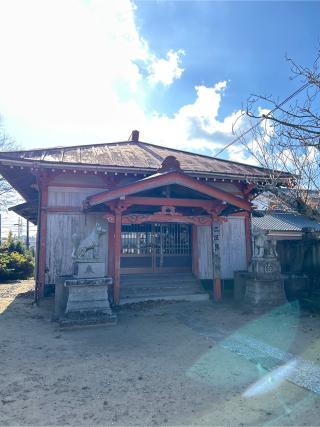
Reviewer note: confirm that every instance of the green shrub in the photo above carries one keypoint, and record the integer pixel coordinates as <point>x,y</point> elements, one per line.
<point>16,262</point>
<point>13,245</point>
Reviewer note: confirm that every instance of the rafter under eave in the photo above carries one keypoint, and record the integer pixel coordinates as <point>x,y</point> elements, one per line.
<point>159,180</point>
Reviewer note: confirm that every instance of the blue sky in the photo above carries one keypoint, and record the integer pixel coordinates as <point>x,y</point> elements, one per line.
<point>90,71</point>
<point>241,42</point>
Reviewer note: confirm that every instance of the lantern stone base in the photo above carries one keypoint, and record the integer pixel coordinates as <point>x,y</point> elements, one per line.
<point>265,287</point>
<point>88,302</point>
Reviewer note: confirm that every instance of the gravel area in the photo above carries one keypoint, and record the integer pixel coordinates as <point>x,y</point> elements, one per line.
<point>163,364</point>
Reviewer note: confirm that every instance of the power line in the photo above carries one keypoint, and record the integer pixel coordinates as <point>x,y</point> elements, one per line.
<point>264,117</point>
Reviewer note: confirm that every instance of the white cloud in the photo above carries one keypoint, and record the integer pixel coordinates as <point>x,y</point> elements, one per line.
<point>238,153</point>
<point>70,75</point>
<point>166,71</point>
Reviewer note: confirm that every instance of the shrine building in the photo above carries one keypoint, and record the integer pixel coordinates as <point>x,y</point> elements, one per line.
<point>167,213</point>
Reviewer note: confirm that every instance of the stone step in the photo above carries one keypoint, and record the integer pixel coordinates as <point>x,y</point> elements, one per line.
<point>161,291</point>
<point>158,295</point>
<point>157,276</point>
<point>152,279</point>
<point>155,284</point>
<point>163,287</point>
<point>167,286</point>
<point>182,297</point>
<point>142,286</point>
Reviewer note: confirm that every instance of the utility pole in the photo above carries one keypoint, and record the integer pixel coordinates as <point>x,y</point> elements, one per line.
<point>20,228</point>
<point>28,237</point>
<point>0,230</point>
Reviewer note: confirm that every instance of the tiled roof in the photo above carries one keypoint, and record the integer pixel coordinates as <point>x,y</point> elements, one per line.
<point>139,155</point>
<point>282,221</point>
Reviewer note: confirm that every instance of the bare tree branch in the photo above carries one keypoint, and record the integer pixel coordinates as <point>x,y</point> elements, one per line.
<point>7,194</point>
<point>285,137</point>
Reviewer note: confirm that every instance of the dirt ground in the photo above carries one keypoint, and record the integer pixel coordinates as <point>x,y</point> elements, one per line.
<point>162,364</point>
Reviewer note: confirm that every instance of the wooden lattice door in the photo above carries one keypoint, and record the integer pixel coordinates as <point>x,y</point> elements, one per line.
<point>156,247</point>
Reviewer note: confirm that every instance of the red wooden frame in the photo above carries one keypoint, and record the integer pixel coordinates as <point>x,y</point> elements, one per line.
<point>217,291</point>
<point>160,217</point>
<point>159,180</point>
<point>42,247</point>
<point>117,252</point>
<point>208,205</point>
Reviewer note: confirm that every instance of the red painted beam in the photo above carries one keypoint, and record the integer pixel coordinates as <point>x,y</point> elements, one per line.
<point>158,217</point>
<point>167,179</point>
<point>198,220</point>
<point>164,201</point>
<point>117,250</point>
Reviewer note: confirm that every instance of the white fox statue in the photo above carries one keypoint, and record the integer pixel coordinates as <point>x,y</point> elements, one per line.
<point>91,242</point>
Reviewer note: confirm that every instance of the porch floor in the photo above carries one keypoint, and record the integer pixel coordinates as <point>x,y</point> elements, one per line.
<point>161,286</point>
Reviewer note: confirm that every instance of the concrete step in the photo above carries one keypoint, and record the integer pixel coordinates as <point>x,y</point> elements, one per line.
<point>136,277</point>
<point>157,278</point>
<point>161,291</point>
<point>141,285</point>
<point>185,297</point>
<point>162,286</point>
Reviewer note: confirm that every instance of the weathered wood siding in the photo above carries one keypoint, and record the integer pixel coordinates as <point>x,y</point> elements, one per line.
<point>60,228</point>
<point>232,248</point>
<point>62,225</point>
<point>205,252</point>
<point>69,196</point>
<point>77,179</point>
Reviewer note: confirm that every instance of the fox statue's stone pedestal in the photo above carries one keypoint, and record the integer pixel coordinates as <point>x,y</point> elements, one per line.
<point>265,287</point>
<point>88,288</point>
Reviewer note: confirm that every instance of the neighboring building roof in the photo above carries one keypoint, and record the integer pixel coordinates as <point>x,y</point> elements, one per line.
<point>283,221</point>
<point>28,210</point>
<point>286,199</point>
<point>137,155</point>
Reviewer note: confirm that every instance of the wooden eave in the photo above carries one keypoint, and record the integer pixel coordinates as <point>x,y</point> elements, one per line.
<point>162,179</point>
<point>135,152</point>
<point>28,210</point>
<point>23,181</point>
<point>134,170</point>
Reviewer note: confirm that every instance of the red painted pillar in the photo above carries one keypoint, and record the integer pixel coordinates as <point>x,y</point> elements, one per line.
<point>42,235</point>
<point>117,249</point>
<point>110,260</point>
<point>217,294</point>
